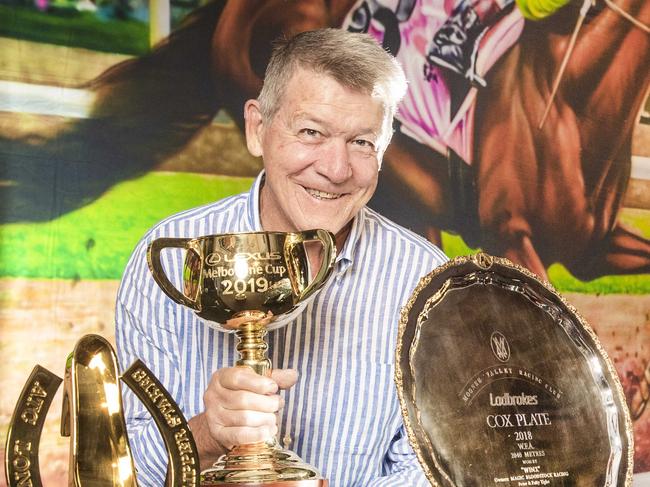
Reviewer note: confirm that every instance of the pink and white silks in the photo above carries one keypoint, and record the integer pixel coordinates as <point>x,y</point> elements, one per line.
<point>425,113</point>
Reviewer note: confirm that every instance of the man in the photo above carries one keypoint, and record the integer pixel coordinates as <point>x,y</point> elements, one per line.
<point>321,125</point>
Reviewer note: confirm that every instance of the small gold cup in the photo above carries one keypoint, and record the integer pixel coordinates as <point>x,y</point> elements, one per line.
<point>243,283</point>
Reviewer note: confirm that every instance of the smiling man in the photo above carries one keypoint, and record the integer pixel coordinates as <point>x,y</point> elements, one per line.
<point>321,152</point>
<point>321,125</point>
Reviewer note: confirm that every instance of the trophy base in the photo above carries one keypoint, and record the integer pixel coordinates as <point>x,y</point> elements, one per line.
<point>280,483</point>
<point>261,465</point>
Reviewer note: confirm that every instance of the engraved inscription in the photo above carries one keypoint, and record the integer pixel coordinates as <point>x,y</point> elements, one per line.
<point>188,467</point>
<point>157,397</point>
<point>215,257</point>
<point>518,420</point>
<point>183,457</point>
<point>33,404</point>
<point>526,453</point>
<point>513,400</point>
<point>245,273</point>
<point>22,463</point>
<point>485,377</point>
<point>520,417</point>
<point>240,286</point>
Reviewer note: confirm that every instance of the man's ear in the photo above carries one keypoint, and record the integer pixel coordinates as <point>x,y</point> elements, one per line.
<point>254,127</point>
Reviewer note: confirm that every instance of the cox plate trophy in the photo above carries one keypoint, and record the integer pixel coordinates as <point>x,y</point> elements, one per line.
<point>243,283</point>
<point>503,384</point>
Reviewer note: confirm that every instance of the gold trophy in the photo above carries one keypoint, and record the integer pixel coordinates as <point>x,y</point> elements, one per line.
<point>242,283</point>
<point>92,416</point>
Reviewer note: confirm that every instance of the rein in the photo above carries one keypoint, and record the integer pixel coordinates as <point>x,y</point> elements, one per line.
<point>644,27</point>
<point>586,5</point>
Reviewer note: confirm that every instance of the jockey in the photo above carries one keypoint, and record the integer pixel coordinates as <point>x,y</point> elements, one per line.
<point>455,44</point>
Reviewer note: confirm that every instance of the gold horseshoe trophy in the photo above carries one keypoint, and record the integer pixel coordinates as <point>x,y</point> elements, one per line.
<point>92,417</point>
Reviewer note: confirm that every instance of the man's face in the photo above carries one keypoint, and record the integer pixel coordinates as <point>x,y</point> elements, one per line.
<point>321,154</point>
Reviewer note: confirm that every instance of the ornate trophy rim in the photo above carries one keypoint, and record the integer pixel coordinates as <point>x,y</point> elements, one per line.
<point>482,261</point>
<point>239,234</point>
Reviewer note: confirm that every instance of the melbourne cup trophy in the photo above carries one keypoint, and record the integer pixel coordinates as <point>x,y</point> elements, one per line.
<point>243,283</point>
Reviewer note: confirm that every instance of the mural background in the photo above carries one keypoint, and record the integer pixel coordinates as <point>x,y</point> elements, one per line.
<point>101,136</point>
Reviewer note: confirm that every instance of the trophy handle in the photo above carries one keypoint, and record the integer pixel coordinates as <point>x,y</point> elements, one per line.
<point>158,273</point>
<point>329,254</point>
<point>21,449</point>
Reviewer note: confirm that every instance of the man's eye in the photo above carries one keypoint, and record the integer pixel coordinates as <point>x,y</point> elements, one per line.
<point>363,143</point>
<point>309,132</point>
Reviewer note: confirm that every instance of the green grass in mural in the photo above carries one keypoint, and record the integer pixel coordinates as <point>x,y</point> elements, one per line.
<point>76,29</point>
<point>94,242</point>
<point>562,279</point>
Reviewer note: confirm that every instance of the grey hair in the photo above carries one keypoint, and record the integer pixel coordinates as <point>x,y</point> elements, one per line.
<point>354,60</point>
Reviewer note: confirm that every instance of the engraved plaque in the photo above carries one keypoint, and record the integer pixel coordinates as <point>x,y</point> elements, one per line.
<point>502,383</point>
<point>24,435</point>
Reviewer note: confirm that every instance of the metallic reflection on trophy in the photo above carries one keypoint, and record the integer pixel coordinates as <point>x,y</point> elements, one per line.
<point>244,283</point>
<point>92,416</point>
<point>488,351</point>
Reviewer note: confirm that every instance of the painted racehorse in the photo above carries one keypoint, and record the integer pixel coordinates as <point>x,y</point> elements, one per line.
<point>571,175</point>
<point>551,194</point>
<point>536,196</point>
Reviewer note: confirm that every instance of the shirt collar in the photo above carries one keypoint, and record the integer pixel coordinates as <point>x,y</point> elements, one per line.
<point>345,257</point>
<point>254,221</point>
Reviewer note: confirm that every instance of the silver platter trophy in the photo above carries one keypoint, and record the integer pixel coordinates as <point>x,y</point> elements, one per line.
<point>503,384</point>
<point>243,283</point>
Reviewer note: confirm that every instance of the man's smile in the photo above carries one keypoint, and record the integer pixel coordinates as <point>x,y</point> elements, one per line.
<point>323,195</point>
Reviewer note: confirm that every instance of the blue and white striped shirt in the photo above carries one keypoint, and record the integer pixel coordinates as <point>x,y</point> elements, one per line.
<point>343,414</point>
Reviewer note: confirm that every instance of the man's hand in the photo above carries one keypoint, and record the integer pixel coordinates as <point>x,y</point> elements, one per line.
<point>240,407</point>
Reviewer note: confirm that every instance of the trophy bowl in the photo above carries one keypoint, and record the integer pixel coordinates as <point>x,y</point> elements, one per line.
<point>244,283</point>
<point>229,278</point>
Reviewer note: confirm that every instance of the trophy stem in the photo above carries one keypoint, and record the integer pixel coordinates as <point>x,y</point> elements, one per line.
<point>262,463</point>
<point>252,347</point>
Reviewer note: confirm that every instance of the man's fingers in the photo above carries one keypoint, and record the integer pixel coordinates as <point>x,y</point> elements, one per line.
<point>241,405</point>
<point>232,418</point>
<point>285,378</point>
<point>243,400</point>
<point>244,378</point>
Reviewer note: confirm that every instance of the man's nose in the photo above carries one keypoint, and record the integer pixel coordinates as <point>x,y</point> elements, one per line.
<point>336,164</point>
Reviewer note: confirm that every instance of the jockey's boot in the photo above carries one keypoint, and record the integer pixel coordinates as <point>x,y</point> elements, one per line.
<point>455,44</point>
